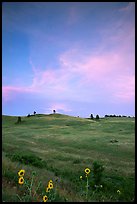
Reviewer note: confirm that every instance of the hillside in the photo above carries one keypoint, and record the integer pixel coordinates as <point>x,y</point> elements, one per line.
<point>62,146</point>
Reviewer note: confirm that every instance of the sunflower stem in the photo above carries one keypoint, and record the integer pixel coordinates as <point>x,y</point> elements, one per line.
<point>37,188</point>
<point>19,197</point>
<point>31,184</point>
<point>87,189</point>
<point>27,185</point>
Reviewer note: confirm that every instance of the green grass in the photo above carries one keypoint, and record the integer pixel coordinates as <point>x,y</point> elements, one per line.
<point>61,146</point>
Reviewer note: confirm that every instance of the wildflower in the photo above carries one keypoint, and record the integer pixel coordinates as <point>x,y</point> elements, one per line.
<point>47,189</point>
<point>21,180</point>
<point>21,172</point>
<point>50,181</point>
<point>101,186</point>
<point>80,177</point>
<point>118,191</point>
<point>45,198</point>
<point>87,170</point>
<point>50,185</point>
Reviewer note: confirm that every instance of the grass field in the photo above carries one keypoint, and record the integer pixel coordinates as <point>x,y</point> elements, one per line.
<point>60,147</point>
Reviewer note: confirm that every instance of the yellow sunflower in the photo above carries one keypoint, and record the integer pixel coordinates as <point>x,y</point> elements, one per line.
<point>87,170</point>
<point>45,198</point>
<point>50,181</point>
<point>50,185</point>
<point>21,172</point>
<point>21,180</point>
<point>47,189</point>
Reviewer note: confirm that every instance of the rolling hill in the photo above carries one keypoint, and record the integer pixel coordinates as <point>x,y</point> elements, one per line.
<point>60,147</point>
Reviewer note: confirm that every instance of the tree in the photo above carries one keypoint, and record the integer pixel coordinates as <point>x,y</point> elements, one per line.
<point>19,120</point>
<point>91,116</point>
<point>97,116</point>
<point>34,112</point>
<point>54,111</point>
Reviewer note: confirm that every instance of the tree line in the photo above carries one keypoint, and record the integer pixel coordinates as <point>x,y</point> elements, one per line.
<point>97,116</point>
<point>92,117</point>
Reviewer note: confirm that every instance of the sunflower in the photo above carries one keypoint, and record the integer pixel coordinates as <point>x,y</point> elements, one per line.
<point>21,172</point>
<point>45,198</point>
<point>50,185</point>
<point>47,189</point>
<point>21,180</point>
<point>87,170</point>
<point>118,191</point>
<point>50,181</point>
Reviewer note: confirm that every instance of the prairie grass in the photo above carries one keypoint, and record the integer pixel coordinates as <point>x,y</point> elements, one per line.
<point>60,147</point>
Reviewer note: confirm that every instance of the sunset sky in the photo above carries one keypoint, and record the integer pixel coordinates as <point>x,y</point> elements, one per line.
<point>75,57</point>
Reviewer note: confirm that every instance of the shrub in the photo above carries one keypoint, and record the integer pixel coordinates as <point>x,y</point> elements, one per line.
<point>28,159</point>
<point>97,172</point>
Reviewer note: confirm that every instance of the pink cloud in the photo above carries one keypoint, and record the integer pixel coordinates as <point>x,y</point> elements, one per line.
<point>110,72</point>
<point>103,68</point>
<point>5,94</point>
<point>124,88</point>
<point>110,66</point>
<point>48,82</point>
<point>52,81</point>
<point>59,106</point>
<point>113,71</point>
<point>8,90</point>
<point>93,67</point>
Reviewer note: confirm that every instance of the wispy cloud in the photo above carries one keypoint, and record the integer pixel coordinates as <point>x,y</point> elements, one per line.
<point>81,74</point>
<point>111,71</point>
<point>49,80</point>
<point>128,7</point>
<point>59,107</point>
<point>124,89</point>
<point>9,91</point>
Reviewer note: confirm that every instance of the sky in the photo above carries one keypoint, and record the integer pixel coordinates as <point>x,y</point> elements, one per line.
<point>77,58</point>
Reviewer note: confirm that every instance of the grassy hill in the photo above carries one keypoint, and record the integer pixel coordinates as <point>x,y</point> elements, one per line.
<point>60,147</point>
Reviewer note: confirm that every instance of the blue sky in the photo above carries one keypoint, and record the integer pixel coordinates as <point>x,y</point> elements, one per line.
<point>75,57</point>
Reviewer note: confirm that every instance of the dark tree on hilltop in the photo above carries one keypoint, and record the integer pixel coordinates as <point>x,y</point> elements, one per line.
<point>19,120</point>
<point>34,112</point>
<point>97,116</point>
<point>54,111</point>
<point>91,116</point>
